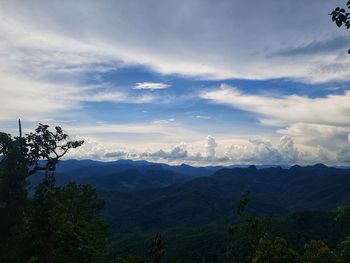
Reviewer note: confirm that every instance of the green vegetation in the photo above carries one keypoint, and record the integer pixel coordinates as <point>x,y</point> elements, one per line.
<point>63,223</point>
<point>57,224</point>
<point>227,241</point>
<point>274,251</point>
<point>203,200</point>
<point>303,237</point>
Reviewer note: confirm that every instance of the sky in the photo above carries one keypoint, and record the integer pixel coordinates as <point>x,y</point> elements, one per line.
<point>188,81</point>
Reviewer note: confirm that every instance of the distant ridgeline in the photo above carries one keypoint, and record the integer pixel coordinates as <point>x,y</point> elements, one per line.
<point>204,199</point>
<point>147,196</point>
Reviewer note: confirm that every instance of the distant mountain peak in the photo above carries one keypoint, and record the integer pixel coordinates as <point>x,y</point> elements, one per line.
<point>320,165</point>
<point>295,166</point>
<point>252,167</point>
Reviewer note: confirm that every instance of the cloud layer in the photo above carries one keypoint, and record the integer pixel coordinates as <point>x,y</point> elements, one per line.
<point>252,151</point>
<point>195,38</point>
<point>284,110</point>
<point>151,85</point>
<point>58,59</point>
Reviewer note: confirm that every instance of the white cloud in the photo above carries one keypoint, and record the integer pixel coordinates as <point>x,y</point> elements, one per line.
<point>328,136</point>
<point>136,135</point>
<point>29,99</point>
<point>91,149</point>
<point>315,123</point>
<point>255,150</point>
<point>204,117</point>
<point>287,149</point>
<point>343,155</point>
<point>164,121</point>
<point>151,85</point>
<point>263,152</point>
<point>196,38</point>
<point>284,110</point>
<point>98,95</point>
<point>250,151</point>
<point>211,146</point>
<point>178,153</point>
<point>47,48</point>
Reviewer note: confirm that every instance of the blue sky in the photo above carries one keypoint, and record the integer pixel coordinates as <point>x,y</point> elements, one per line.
<point>199,82</point>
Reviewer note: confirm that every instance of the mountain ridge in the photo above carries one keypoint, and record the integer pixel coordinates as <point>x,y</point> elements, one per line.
<point>204,199</point>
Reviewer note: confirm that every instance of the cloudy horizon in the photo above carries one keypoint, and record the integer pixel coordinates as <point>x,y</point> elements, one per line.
<point>181,81</point>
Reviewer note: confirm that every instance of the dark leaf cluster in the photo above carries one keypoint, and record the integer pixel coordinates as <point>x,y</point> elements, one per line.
<point>341,17</point>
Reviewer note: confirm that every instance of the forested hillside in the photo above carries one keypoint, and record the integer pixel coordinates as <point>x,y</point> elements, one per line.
<point>233,215</point>
<point>124,175</point>
<point>202,200</point>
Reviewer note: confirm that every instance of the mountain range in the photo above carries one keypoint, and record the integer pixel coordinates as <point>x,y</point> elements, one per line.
<point>125,175</point>
<point>206,199</point>
<point>144,196</point>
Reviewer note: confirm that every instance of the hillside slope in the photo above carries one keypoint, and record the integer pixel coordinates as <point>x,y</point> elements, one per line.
<point>202,200</point>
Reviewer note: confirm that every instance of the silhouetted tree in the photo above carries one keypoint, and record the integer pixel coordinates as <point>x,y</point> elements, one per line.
<point>58,224</point>
<point>243,202</point>
<point>47,146</point>
<point>13,194</point>
<point>341,18</point>
<point>248,232</point>
<point>157,251</point>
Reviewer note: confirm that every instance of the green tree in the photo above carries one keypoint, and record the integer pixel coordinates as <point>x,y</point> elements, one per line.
<point>47,146</point>
<point>59,224</point>
<point>343,214</point>
<point>243,202</point>
<point>20,158</point>
<point>247,232</point>
<point>276,251</point>
<point>345,250</point>
<point>13,195</point>
<point>65,223</point>
<point>157,251</point>
<point>318,252</point>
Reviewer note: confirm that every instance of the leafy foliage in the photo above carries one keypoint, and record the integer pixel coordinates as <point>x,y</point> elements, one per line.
<point>157,251</point>
<point>341,18</point>
<point>57,224</point>
<point>65,223</point>
<point>345,250</point>
<point>13,194</point>
<point>275,251</point>
<point>318,252</point>
<point>49,146</point>
<point>222,242</point>
<point>343,213</point>
<point>243,202</point>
